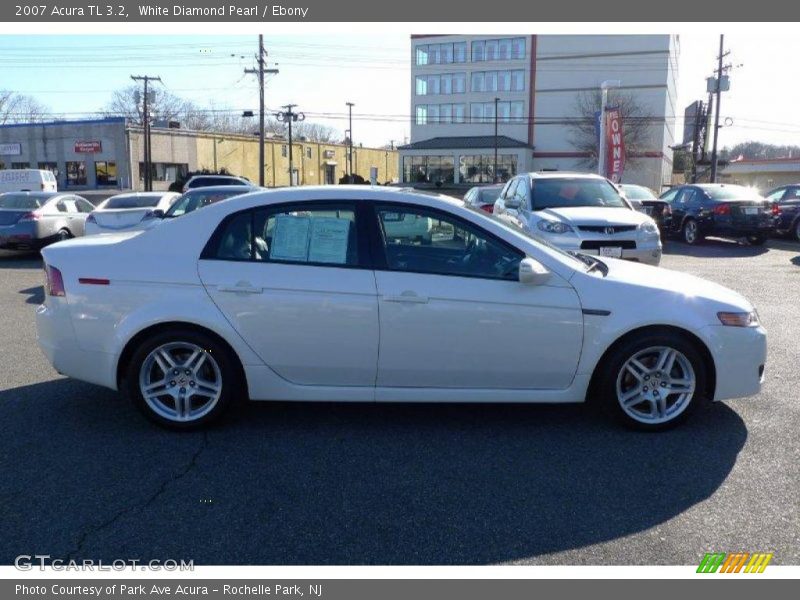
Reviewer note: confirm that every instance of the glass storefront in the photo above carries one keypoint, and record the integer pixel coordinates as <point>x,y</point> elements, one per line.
<point>428,169</point>
<point>481,169</point>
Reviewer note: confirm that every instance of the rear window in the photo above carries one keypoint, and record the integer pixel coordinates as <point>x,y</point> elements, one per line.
<point>209,181</point>
<point>19,202</point>
<point>132,202</point>
<point>637,192</point>
<point>570,192</point>
<point>732,192</point>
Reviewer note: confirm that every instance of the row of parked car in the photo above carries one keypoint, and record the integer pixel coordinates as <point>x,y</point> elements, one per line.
<point>30,220</point>
<point>586,213</point>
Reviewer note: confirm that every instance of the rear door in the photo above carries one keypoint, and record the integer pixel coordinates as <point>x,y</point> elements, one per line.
<point>295,282</point>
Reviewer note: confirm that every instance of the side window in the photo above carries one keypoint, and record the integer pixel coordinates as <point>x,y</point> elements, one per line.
<point>670,195</point>
<point>776,195</point>
<point>683,196</point>
<point>61,206</point>
<point>511,190</point>
<point>84,206</point>
<point>319,235</point>
<point>521,193</point>
<point>419,240</point>
<point>793,194</point>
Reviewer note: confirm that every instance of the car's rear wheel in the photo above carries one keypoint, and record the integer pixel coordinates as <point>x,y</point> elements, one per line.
<point>756,240</point>
<point>63,234</point>
<point>691,232</point>
<point>181,379</point>
<point>653,382</point>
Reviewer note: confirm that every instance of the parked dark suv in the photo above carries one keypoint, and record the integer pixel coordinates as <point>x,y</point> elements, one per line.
<point>718,209</point>
<point>786,203</point>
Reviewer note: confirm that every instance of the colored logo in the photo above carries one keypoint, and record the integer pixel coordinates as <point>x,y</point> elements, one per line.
<point>735,562</point>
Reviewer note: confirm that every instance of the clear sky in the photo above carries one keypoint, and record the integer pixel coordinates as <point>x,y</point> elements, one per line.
<point>75,75</point>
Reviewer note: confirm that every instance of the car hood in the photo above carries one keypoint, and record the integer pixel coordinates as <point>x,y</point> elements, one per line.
<point>646,284</point>
<point>594,215</point>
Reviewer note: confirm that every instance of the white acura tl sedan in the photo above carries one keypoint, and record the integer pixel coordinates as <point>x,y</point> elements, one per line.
<point>314,293</point>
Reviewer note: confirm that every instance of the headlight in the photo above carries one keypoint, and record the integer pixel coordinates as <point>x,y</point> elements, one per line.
<point>738,319</point>
<point>553,226</point>
<point>649,227</point>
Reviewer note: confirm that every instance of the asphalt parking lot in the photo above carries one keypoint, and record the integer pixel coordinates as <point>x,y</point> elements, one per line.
<point>84,476</point>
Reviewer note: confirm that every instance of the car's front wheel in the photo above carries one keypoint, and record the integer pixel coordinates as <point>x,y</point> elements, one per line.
<point>181,378</point>
<point>654,381</point>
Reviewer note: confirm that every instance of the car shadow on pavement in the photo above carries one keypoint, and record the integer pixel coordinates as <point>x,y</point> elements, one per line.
<point>35,294</point>
<point>715,247</point>
<point>317,483</point>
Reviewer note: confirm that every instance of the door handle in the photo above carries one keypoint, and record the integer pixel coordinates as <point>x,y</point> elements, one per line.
<point>409,297</point>
<point>240,288</point>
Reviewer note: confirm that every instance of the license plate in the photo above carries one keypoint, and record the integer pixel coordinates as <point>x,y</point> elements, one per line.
<point>611,251</point>
<point>751,210</point>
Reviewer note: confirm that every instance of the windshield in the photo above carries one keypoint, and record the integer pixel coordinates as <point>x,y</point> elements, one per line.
<point>637,192</point>
<point>193,200</point>
<point>732,192</point>
<point>574,191</point>
<point>132,201</point>
<point>19,202</point>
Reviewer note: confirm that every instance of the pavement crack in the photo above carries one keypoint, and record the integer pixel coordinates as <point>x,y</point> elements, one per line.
<point>183,472</point>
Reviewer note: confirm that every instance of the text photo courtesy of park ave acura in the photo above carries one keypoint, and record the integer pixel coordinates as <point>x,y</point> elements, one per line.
<point>383,297</point>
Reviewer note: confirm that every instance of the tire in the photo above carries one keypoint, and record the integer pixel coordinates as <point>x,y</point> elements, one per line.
<point>650,409</point>
<point>196,389</point>
<point>756,240</point>
<point>63,235</point>
<point>690,232</point>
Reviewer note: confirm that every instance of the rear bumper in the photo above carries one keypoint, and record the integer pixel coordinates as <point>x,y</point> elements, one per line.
<point>740,355</point>
<point>56,338</point>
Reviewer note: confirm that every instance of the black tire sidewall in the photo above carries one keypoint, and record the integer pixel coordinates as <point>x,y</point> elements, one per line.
<point>220,354</point>
<point>617,357</point>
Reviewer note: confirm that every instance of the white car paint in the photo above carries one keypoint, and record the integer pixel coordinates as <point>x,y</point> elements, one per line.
<point>303,332</point>
<point>602,226</point>
<point>104,219</point>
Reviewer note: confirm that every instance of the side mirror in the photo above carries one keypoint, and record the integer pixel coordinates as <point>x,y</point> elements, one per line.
<point>511,203</point>
<point>532,272</point>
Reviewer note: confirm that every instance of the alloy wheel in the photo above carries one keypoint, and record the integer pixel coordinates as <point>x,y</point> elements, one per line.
<point>690,232</point>
<point>180,381</point>
<point>655,385</point>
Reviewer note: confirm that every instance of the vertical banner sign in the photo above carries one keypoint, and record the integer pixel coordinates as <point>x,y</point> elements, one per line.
<point>615,145</point>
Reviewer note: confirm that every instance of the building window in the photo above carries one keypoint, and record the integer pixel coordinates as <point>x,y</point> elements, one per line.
<point>483,112</point>
<point>448,83</point>
<point>49,166</point>
<point>498,81</point>
<point>428,169</point>
<point>164,171</point>
<point>308,151</point>
<point>20,165</point>
<point>440,113</point>
<point>105,172</point>
<point>435,54</point>
<point>76,172</point>
<point>480,168</point>
<point>500,49</point>
<point>284,151</point>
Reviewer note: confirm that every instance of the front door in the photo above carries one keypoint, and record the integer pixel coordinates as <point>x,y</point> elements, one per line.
<point>289,280</point>
<point>330,174</point>
<point>454,315</point>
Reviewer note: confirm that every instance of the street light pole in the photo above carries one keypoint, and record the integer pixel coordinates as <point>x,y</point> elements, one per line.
<point>288,116</point>
<point>601,150</point>
<point>496,101</point>
<point>350,106</point>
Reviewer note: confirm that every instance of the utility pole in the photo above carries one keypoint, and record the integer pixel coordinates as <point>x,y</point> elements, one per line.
<point>718,93</point>
<point>350,106</point>
<point>260,72</point>
<point>148,175</point>
<point>289,116</point>
<point>496,101</point>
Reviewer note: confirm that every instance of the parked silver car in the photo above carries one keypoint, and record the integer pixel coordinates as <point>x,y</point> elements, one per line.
<point>31,220</point>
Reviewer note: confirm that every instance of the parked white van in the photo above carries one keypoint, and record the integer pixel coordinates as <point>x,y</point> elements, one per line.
<point>27,180</point>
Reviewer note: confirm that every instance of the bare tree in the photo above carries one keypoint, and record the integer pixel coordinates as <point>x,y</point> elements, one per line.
<point>313,132</point>
<point>19,108</point>
<point>127,103</point>
<point>636,125</point>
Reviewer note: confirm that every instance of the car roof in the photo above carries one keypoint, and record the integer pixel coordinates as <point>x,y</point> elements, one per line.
<point>563,174</point>
<point>221,188</point>
<point>40,195</point>
<point>140,194</point>
<point>210,175</point>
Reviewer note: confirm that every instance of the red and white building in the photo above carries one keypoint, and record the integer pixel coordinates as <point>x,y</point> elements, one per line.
<point>538,81</point>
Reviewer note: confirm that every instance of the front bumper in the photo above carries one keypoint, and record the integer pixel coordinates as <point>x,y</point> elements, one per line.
<point>56,338</point>
<point>636,248</point>
<point>740,356</point>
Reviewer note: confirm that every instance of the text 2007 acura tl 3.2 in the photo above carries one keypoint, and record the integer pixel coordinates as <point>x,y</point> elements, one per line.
<point>322,294</point>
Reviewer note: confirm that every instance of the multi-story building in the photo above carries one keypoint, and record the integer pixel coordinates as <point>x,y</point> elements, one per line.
<point>541,89</point>
<point>109,153</point>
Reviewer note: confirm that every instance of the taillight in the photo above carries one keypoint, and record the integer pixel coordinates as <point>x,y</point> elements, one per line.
<point>54,280</point>
<point>91,219</point>
<point>31,216</point>
<point>722,209</point>
<point>489,208</point>
<point>667,212</point>
<point>776,209</point>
